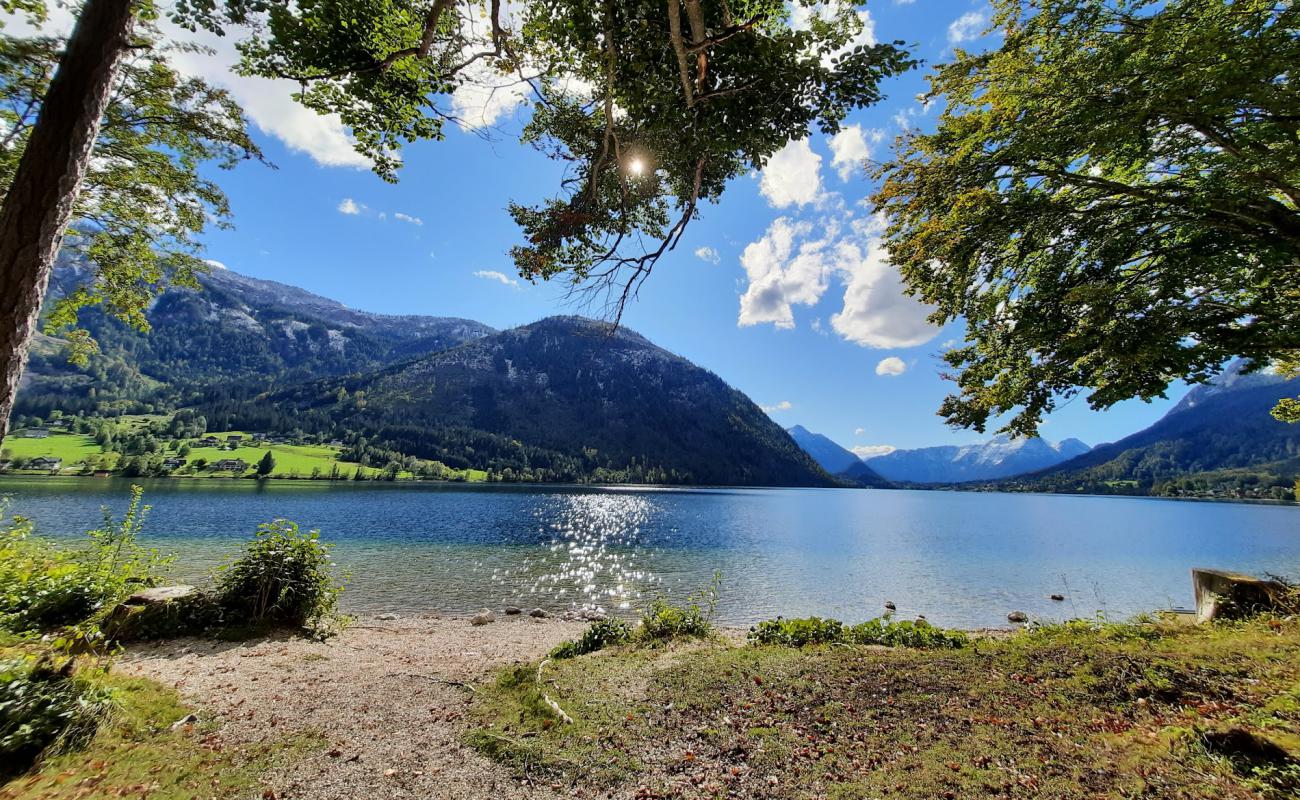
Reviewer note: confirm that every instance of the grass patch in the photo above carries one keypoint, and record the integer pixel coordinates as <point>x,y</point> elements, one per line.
<point>135,753</point>
<point>73,448</point>
<point>1081,710</point>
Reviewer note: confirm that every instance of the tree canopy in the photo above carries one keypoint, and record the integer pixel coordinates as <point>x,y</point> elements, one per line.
<point>653,106</point>
<point>1111,201</point>
<point>143,201</point>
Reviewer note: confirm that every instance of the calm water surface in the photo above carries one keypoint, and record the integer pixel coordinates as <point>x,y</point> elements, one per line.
<point>962,559</point>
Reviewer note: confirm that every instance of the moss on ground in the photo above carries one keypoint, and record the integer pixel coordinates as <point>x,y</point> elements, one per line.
<point>1082,710</point>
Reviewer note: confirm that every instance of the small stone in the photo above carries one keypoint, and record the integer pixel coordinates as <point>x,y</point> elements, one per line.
<point>513,610</point>
<point>1017,616</point>
<point>386,617</point>
<point>538,613</point>
<point>920,618</point>
<point>889,606</point>
<point>1057,597</point>
<point>483,617</point>
<point>185,721</point>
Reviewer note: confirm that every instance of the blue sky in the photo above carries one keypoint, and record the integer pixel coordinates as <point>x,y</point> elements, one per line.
<point>780,289</point>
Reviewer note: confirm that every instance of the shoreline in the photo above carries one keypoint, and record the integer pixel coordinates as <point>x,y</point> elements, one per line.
<point>616,487</point>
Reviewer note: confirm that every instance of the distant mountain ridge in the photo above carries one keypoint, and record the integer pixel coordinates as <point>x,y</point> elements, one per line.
<point>835,459</point>
<point>563,397</point>
<point>1218,440</point>
<point>1002,457</point>
<point>237,331</point>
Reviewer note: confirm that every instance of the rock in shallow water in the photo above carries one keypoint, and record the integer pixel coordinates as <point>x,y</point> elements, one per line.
<point>513,610</point>
<point>1017,616</point>
<point>538,613</point>
<point>483,617</point>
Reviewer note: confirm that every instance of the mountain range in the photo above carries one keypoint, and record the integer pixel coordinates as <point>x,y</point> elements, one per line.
<point>1003,457</point>
<point>1218,441</point>
<point>565,398</point>
<point>568,398</point>
<point>835,459</point>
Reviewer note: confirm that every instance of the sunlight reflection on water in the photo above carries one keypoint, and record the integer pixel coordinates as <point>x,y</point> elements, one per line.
<point>594,556</point>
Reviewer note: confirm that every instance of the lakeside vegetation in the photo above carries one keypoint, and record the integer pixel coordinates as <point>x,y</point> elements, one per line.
<point>1084,709</point>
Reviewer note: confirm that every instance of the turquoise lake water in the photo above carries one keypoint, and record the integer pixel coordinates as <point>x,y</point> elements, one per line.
<point>961,559</point>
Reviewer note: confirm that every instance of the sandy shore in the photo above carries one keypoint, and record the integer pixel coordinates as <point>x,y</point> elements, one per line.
<point>387,695</point>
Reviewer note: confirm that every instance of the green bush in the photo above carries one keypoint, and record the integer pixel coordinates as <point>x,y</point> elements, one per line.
<point>906,633</point>
<point>662,621</point>
<point>815,630</point>
<point>45,586</point>
<point>797,632</point>
<point>599,635</point>
<point>283,577</point>
<point>44,710</point>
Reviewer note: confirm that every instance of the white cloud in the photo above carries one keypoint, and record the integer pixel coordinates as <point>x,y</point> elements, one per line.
<point>792,176</point>
<point>849,150</point>
<point>967,27</point>
<point>793,264</point>
<point>268,103</point>
<point>859,431</point>
<point>499,277</point>
<point>876,311</point>
<point>708,254</point>
<point>784,405</point>
<point>891,365</point>
<point>350,206</point>
<point>408,218</point>
<point>485,97</point>
<point>782,274</point>
<point>865,451</point>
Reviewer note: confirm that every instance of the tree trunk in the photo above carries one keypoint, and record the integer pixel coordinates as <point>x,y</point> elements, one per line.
<point>38,206</point>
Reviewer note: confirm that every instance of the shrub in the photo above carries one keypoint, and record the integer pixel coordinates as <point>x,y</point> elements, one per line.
<point>906,633</point>
<point>44,710</point>
<point>45,586</point>
<point>283,577</point>
<point>815,630</point>
<point>599,635</point>
<point>662,621</point>
<point>797,632</point>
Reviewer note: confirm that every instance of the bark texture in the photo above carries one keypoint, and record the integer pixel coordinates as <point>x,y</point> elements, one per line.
<point>38,206</point>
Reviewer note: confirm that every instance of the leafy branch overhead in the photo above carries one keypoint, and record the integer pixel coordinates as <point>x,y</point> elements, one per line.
<point>1111,202</point>
<point>143,201</point>
<point>653,105</point>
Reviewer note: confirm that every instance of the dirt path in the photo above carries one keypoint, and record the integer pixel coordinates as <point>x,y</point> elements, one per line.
<point>388,697</point>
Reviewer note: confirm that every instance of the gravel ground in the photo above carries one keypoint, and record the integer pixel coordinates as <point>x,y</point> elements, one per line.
<point>388,696</point>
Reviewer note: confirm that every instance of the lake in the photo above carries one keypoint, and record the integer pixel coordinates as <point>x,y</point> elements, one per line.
<point>961,559</point>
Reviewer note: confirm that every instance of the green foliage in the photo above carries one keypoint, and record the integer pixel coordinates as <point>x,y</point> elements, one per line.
<point>886,632</point>
<point>797,632</point>
<point>141,208</point>
<point>44,586</point>
<point>906,633</point>
<point>1111,201</point>
<point>662,621</point>
<point>657,135</point>
<point>44,710</point>
<point>599,635</point>
<point>283,577</point>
